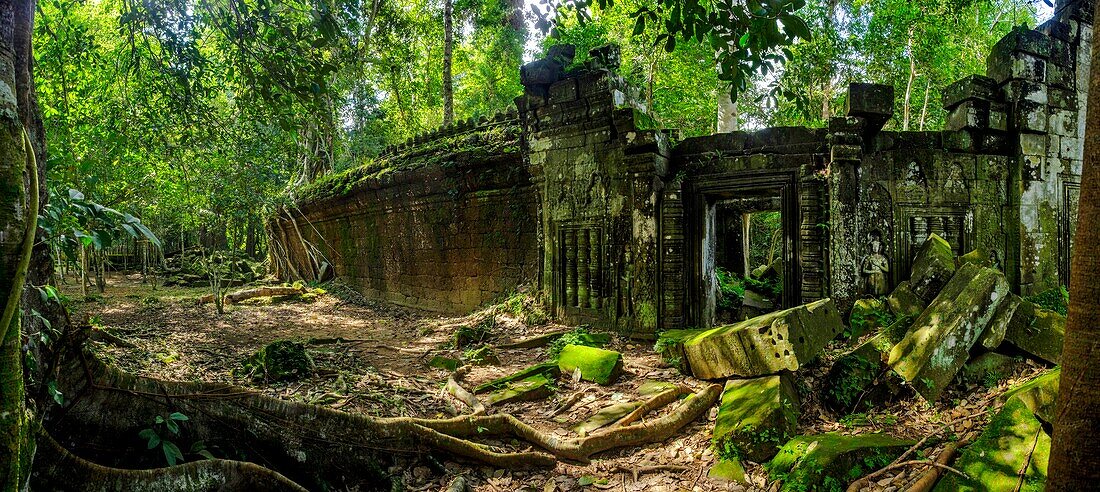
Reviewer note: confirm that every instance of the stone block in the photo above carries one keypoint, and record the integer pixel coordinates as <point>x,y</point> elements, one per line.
<point>548,370</point>
<point>1022,40</point>
<point>969,114</point>
<point>1026,90</point>
<point>860,379</point>
<point>989,369</point>
<point>1016,66</point>
<point>1030,117</point>
<point>536,387</point>
<point>933,267</point>
<point>938,343</point>
<point>994,333</point>
<point>1037,331</point>
<point>1040,395</point>
<point>904,302</point>
<point>597,365</point>
<point>1063,122</point>
<point>970,88</point>
<point>867,315</point>
<point>755,417</point>
<point>873,102</point>
<point>807,462</point>
<point>1060,76</point>
<point>1010,454</point>
<point>778,341</point>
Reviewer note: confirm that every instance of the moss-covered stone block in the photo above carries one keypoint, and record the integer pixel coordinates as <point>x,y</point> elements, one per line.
<point>1037,331</point>
<point>670,346</point>
<point>604,417</point>
<point>904,302</point>
<point>860,379</point>
<point>535,387</point>
<point>868,315</point>
<point>938,343</point>
<point>989,369</point>
<point>778,341</point>
<point>755,417</point>
<point>994,333</point>
<point>832,461</point>
<point>1010,454</point>
<point>281,360</point>
<point>549,370</point>
<point>597,365</point>
<point>730,470</point>
<point>484,355</point>
<point>933,267</point>
<point>1040,395</point>
<point>979,257</point>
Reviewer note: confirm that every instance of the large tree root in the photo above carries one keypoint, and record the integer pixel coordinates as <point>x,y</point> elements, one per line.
<point>244,295</point>
<point>315,446</point>
<point>60,470</point>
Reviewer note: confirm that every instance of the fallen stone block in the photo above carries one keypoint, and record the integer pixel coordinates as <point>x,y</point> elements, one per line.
<point>989,369</point>
<point>778,341</point>
<point>729,470</point>
<point>938,343</point>
<point>1040,395</point>
<point>549,370</point>
<point>597,365</point>
<point>832,461</point>
<point>904,302</point>
<point>868,315</point>
<point>670,346</point>
<point>606,416</point>
<point>1037,331</point>
<point>532,388</point>
<point>860,379</point>
<point>1010,454</point>
<point>994,334</point>
<point>933,267</point>
<point>755,417</point>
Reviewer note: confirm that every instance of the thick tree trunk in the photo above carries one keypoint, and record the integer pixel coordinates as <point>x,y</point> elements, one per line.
<point>448,49</point>
<point>727,112</point>
<point>1075,451</point>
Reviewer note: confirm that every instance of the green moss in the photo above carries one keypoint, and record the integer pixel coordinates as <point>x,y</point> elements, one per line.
<point>281,360</point>
<point>596,365</point>
<point>535,387</point>
<point>868,315</point>
<point>548,370</point>
<point>579,336</point>
<point>1056,300</point>
<point>828,461</point>
<point>1039,395</point>
<point>1011,454</point>
<point>755,416</point>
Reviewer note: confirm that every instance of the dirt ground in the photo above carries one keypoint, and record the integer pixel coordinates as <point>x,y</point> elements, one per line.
<point>372,359</point>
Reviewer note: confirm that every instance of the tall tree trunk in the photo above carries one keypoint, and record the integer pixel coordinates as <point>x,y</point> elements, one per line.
<point>727,112</point>
<point>448,48</point>
<point>924,107</point>
<point>909,86</point>
<point>1075,451</point>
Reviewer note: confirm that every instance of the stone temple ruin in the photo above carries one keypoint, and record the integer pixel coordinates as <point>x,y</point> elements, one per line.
<point>622,225</point>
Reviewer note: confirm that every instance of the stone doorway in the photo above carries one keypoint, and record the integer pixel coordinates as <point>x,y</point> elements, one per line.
<point>744,242</point>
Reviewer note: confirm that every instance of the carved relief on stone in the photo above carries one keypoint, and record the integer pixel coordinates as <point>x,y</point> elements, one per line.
<point>875,268</point>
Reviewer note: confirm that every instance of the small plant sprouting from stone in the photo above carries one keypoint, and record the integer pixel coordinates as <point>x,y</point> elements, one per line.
<point>163,434</point>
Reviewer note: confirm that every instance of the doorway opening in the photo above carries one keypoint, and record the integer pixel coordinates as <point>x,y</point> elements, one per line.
<point>748,258</point>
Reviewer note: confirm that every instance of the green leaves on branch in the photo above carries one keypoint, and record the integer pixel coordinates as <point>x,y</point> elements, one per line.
<point>72,221</point>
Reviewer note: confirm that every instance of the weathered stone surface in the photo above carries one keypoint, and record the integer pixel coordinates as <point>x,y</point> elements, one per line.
<point>755,417</point>
<point>994,333</point>
<point>972,87</point>
<point>548,370</point>
<point>832,461</point>
<point>606,416</point>
<point>873,102</point>
<point>729,470</point>
<point>989,368</point>
<point>1011,454</point>
<point>597,365</point>
<point>779,341</point>
<point>1040,395</point>
<point>860,379</point>
<point>531,388</point>
<point>933,266</point>
<point>938,343</point>
<point>904,302</point>
<point>1037,331</point>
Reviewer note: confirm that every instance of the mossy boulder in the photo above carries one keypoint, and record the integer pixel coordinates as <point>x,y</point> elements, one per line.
<point>755,417</point>
<point>548,370</point>
<point>670,346</point>
<point>904,302</point>
<point>860,379</point>
<point>596,365</point>
<point>532,388</point>
<point>1040,395</point>
<point>1010,454</point>
<point>979,257</point>
<point>779,341</point>
<point>281,360</point>
<point>938,343</point>
<point>989,368</point>
<point>933,267</point>
<point>832,461</point>
<point>482,356</point>
<point>1037,331</point>
<point>730,470</point>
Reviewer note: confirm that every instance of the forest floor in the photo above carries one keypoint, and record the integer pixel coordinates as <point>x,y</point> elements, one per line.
<point>373,358</point>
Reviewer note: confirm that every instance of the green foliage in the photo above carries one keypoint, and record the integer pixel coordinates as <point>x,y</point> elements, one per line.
<point>163,434</point>
<point>281,360</point>
<point>480,332</point>
<point>854,374</point>
<point>527,308</point>
<point>861,321</point>
<point>1056,300</point>
<point>732,288</point>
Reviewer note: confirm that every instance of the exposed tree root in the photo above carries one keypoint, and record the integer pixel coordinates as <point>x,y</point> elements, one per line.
<point>929,478</point>
<point>58,469</point>
<point>315,446</point>
<point>243,295</point>
<point>657,401</point>
<point>456,390</point>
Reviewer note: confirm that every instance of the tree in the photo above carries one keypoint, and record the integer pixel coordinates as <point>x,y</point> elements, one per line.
<point>448,49</point>
<point>1075,449</point>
